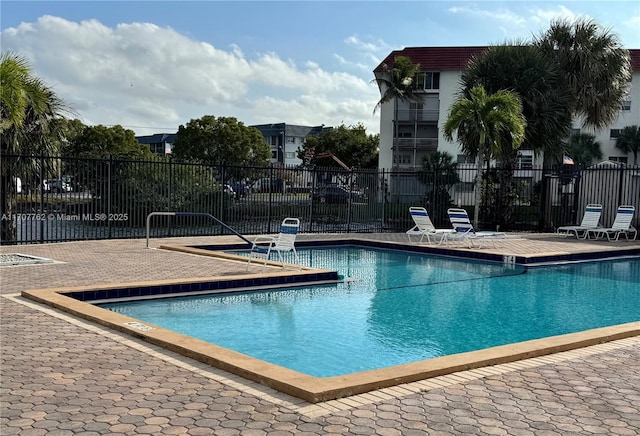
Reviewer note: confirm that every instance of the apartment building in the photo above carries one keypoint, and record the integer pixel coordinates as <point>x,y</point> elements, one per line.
<point>409,131</point>
<point>285,140</point>
<point>159,143</point>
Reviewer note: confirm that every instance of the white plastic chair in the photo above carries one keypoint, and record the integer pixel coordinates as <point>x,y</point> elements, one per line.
<point>424,227</point>
<point>590,220</point>
<point>621,226</point>
<point>465,232</point>
<point>284,242</point>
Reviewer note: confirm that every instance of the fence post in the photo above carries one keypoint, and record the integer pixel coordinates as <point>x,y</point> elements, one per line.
<point>313,190</point>
<point>41,176</point>
<point>110,185</point>
<point>223,195</point>
<point>350,201</point>
<point>619,202</point>
<point>270,198</point>
<point>543,200</point>
<point>383,195</point>
<point>169,197</point>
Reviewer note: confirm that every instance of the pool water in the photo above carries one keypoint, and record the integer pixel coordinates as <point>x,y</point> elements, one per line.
<point>397,307</point>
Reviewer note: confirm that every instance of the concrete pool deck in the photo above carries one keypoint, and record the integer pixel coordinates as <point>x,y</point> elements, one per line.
<point>64,374</point>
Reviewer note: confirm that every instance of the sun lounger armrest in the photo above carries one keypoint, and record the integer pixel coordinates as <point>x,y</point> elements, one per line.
<point>264,240</point>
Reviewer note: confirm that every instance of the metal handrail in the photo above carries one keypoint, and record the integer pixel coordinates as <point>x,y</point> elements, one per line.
<point>193,214</point>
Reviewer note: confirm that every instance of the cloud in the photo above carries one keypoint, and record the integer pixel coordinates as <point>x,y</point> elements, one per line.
<point>501,14</point>
<point>545,16</point>
<point>141,74</point>
<point>374,47</point>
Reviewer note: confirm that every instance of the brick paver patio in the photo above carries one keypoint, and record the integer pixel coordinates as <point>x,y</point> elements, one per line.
<point>61,375</point>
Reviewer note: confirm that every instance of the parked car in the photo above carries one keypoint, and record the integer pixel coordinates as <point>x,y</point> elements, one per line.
<point>240,190</point>
<point>228,190</point>
<point>334,194</point>
<point>271,185</point>
<point>56,185</point>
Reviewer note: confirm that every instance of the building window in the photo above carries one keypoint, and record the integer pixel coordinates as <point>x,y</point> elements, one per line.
<point>619,159</point>
<point>524,162</point>
<point>626,105</point>
<point>274,154</point>
<point>291,140</point>
<point>290,155</point>
<point>402,159</point>
<point>614,133</point>
<point>429,81</point>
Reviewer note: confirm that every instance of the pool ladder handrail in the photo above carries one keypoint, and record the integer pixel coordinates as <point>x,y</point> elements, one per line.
<point>193,214</point>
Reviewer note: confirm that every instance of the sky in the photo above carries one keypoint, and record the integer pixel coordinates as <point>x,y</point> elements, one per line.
<point>152,66</point>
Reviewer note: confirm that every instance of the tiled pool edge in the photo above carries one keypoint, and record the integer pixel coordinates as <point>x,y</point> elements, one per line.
<point>217,250</point>
<point>316,410</point>
<point>313,389</point>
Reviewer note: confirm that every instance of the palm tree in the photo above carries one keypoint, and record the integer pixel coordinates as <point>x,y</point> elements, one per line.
<point>584,149</point>
<point>28,113</point>
<point>596,67</point>
<point>629,142</point>
<point>485,124</point>
<point>536,78</point>
<point>397,84</point>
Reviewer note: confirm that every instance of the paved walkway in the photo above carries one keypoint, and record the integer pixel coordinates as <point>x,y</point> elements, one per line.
<point>62,375</point>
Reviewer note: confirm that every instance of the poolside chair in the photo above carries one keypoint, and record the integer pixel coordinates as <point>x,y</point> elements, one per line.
<point>464,232</point>
<point>590,220</point>
<point>284,242</point>
<point>621,226</point>
<point>424,227</point>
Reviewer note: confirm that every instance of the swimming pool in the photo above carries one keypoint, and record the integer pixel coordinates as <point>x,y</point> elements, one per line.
<point>397,307</point>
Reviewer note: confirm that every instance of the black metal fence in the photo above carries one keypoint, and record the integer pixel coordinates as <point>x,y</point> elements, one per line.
<point>52,199</point>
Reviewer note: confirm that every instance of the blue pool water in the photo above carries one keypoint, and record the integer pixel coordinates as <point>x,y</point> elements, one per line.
<point>398,307</point>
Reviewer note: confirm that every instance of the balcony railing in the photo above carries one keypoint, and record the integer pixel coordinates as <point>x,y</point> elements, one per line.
<point>420,144</point>
<point>417,115</point>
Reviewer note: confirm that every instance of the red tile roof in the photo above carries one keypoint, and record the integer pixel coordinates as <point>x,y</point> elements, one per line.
<point>456,58</point>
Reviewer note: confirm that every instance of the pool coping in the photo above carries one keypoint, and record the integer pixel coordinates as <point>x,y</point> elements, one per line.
<point>309,388</point>
<point>531,260</point>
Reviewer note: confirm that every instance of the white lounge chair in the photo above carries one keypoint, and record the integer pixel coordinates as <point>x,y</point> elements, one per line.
<point>284,242</point>
<point>424,227</point>
<point>621,226</point>
<point>590,220</point>
<point>464,232</point>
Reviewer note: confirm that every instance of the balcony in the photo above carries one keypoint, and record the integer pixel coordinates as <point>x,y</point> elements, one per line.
<point>418,144</point>
<point>417,115</point>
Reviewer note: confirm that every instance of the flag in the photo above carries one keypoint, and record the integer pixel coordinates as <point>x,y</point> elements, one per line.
<point>566,160</point>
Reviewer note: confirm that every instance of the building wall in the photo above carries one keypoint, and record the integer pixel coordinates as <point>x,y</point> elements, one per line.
<point>449,87</point>
<point>626,118</point>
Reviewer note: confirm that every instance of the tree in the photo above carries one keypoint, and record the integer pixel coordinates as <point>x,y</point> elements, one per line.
<point>350,144</point>
<point>397,83</point>
<point>584,149</point>
<point>212,141</point>
<point>439,173</point>
<point>629,142</point>
<point>487,124</point>
<point>104,142</point>
<point>28,110</point>
<point>536,78</point>
<point>596,67</point>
